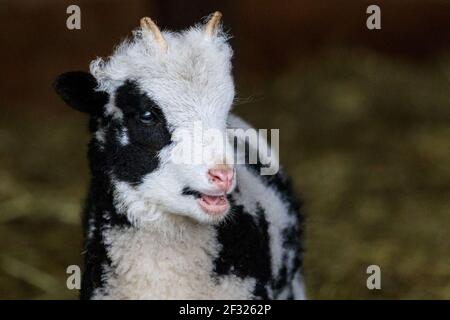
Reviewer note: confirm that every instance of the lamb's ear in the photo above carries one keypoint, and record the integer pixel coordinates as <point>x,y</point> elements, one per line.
<point>77,89</point>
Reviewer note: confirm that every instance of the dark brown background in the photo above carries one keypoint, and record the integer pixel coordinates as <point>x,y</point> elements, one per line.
<point>363,117</point>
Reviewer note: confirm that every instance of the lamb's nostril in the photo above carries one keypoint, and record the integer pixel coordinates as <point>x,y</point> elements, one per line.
<point>221,175</point>
<point>222,178</point>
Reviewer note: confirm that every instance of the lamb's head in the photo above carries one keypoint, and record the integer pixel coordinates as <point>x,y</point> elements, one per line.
<point>146,101</point>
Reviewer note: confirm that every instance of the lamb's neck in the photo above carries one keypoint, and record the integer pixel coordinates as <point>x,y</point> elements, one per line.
<point>173,227</point>
<point>164,226</point>
<point>115,211</point>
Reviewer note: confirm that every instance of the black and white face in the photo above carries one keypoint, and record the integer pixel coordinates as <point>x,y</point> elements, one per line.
<point>140,137</point>
<point>145,106</point>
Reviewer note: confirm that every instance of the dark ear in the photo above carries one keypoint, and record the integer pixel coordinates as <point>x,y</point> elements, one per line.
<point>77,89</point>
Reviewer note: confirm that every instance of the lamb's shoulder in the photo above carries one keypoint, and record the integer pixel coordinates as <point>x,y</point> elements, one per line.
<point>145,265</point>
<point>254,187</point>
<point>261,238</point>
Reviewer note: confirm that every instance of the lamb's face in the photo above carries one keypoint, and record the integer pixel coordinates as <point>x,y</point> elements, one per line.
<point>146,126</point>
<point>154,105</point>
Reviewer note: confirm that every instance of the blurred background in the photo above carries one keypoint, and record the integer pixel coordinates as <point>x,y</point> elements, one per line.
<point>364,119</point>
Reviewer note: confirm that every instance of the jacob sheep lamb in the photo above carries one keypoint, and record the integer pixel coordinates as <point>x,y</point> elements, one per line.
<point>157,229</point>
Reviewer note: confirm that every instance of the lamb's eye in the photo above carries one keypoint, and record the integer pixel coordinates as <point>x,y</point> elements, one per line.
<point>145,117</point>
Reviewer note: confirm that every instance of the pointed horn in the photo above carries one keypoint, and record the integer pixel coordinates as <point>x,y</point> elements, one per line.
<point>213,23</point>
<point>149,25</point>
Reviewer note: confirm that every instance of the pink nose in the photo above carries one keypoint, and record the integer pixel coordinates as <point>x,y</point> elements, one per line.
<point>222,178</point>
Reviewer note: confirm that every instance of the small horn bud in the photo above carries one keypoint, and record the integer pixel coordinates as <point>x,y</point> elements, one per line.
<point>149,25</point>
<point>213,23</point>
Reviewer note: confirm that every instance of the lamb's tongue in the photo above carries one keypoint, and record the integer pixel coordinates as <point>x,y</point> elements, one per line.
<point>211,199</point>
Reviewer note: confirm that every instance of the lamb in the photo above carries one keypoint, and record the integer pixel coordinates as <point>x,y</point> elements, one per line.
<point>157,229</point>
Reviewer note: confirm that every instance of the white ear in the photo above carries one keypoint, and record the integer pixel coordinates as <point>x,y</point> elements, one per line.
<point>212,25</point>
<point>148,25</point>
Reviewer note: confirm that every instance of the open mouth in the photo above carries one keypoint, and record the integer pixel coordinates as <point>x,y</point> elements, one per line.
<point>213,205</point>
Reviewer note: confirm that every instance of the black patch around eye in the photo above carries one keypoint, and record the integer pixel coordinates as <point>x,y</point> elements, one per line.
<point>131,100</point>
<point>139,157</point>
